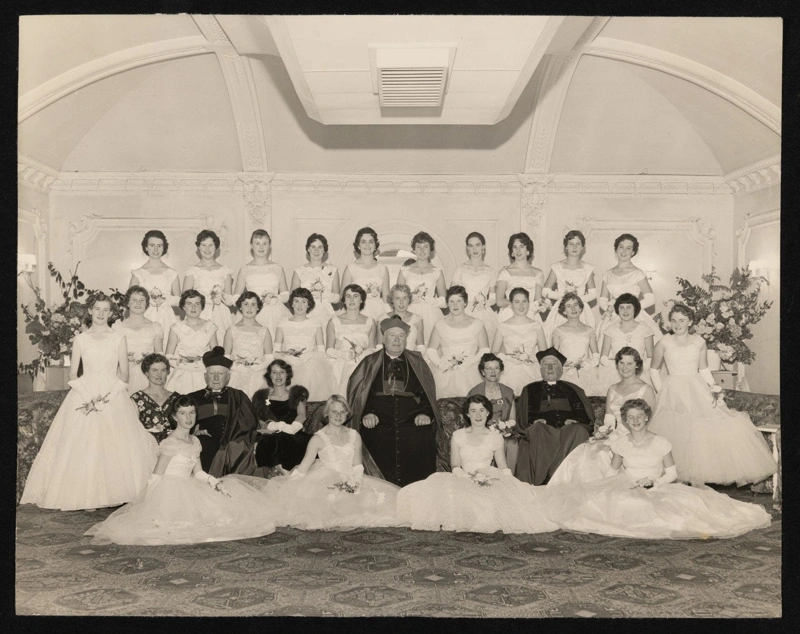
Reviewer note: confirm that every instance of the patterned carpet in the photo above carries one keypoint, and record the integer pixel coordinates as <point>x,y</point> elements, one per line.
<point>397,572</point>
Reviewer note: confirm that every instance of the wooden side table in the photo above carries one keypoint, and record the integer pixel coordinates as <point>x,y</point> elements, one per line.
<point>725,379</point>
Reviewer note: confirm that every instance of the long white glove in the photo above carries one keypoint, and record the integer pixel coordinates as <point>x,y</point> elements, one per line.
<point>283,297</point>
<point>230,300</point>
<point>609,421</point>
<point>591,294</point>
<point>296,474</point>
<point>595,359</point>
<point>421,348</point>
<point>320,347</point>
<point>357,475</point>
<point>288,428</point>
<point>553,294</point>
<point>277,347</point>
<point>205,477</point>
<point>440,302</point>
<point>605,361</point>
<point>655,377</point>
<point>602,302</point>
<point>648,299</point>
<point>153,480</point>
<point>709,379</point>
<point>459,472</point>
<point>174,300</point>
<point>611,471</point>
<point>506,472</point>
<point>670,475</point>
<point>433,356</point>
<point>491,300</point>
<point>333,298</point>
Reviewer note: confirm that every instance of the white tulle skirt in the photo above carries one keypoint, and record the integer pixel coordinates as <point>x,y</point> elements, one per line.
<point>709,444</point>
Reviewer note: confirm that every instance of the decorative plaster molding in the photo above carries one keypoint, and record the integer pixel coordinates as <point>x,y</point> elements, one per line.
<point>38,221</point>
<point>392,184</point>
<point>638,186</point>
<point>211,29</point>
<point>149,182</point>
<point>257,197</point>
<point>752,221</point>
<point>37,175</point>
<point>534,196</point>
<point>754,177</point>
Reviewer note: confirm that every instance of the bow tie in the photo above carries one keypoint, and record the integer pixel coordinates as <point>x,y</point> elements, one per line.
<point>217,396</point>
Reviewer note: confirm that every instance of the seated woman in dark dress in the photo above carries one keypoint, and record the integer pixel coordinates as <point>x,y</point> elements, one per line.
<point>155,401</point>
<point>281,412</point>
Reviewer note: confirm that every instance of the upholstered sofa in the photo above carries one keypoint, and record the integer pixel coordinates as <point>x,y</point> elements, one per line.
<point>36,412</point>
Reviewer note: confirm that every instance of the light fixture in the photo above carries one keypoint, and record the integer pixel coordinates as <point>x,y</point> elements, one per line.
<point>759,268</point>
<point>26,262</point>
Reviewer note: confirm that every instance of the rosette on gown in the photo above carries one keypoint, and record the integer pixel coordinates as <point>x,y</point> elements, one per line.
<point>478,286</point>
<point>617,285</point>
<point>529,283</point>
<point>371,280</point>
<point>569,281</point>
<point>579,368</point>
<point>319,282</point>
<point>159,287</point>
<point>93,457</point>
<point>351,339</point>
<point>265,280</point>
<point>314,502</point>
<point>634,339</point>
<point>520,365</point>
<point>187,372</point>
<point>211,283</point>
<point>591,460</point>
<point>709,444</point>
<point>181,509</point>
<point>310,366</point>
<point>444,501</point>
<point>249,360</point>
<point>140,343</point>
<point>423,297</point>
<point>669,511</point>
<point>457,344</point>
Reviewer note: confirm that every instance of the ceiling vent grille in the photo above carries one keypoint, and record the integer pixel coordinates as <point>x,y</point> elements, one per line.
<point>411,77</point>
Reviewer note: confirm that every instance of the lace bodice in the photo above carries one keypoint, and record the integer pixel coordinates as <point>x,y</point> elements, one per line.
<point>247,344</point>
<point>184,456</point>
<point>645,461</point>
<point>152,281</point>
<point>519,337</point>
<point>455,341</point>
<point>206,279</point>
<point>528,282</point>
<point>476,456</point>
<point>682,359</point>
<point>617,400</point>
<point>619,284</point>
<point>140,342</point>
<point>318,281</point>
<point>422,285</point>
<point>263,279</point>
<point>574,345</point>
<point>634,339</point>
<point>335,457</point>
<point>371,280</point>
<point>477,285</point>
<point>299,334</point>
<point>572,280</point>
<point>193,343</point>
<point>349,334</point>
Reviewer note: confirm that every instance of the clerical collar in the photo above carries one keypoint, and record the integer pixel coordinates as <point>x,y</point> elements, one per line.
<point>551,382</point>
<point>209,393</point>
<point>397,357</point>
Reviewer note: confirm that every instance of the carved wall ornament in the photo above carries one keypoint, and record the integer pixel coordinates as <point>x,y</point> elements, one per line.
<point>257,197</point>
<point>534,196</point>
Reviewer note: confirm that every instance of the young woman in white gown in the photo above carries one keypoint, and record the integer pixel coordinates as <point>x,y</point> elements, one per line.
<point>182,504</point>
<point>627,332</point>
<point>576,341</point>
<point>160,280</point>
<point>516,342</point>
<point>645,502</point>
<point>142,336</point>
<point>591,460</point>
<point>188,340</point>
<point>625,277</point>
<point>350,337</point>
<point>711,442</point>
<point>213,280</point>
<point>400,299</point>
<point>267,280</point>
<point>455,348</point>
<point>96,452</point>
<point>328,489</point>
<point>570,275</point>
<point>319,277</point>
<point>300,343</point>
<point>368,273</point>
<point>476,496</point>
<point>480,280</point>
<point>249,345</point>
<point>520,274</point>
<point>426,283</point>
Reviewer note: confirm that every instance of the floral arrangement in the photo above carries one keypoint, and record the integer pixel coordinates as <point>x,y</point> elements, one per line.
<point>95,404</point>
<point>480,479</point>
<point>295,352</point>
<point>455,359</point>
<point>156,296</point>
<point>354,347</point>
<point>506,428</point>
<point>523,356</point>
<point>317,288</point>
<point>478,302</point>
<point>216,294</point>
<point>246,361</point>
<point>723,315</point>
<point>266,297</point>
<point>345,486</point>
<point>576,364</point>
<point>419,293</point>
<point>373,289</point>
<point>600,435</point>
<point>540,307</point>
<point>52,329</point>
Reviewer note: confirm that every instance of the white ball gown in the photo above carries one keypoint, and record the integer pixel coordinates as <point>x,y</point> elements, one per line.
<point>310,367</point>
<point>371,280</point>
<point>265,280</point>
<point>617,285</point>
<point>444,501</point>
<point>187,372</point>
<point>579,369</point>
<point>529,283</point>
<point>249,360</point>
<point>313,501</point>
<point>350,338</point>
<point>710,444</point>
<point>211,283</point>
<point>423,297</point>
<point>457,344</point>
<point>159,287</point>
<point>95,459</point>
<point>319,282</point>
<point>669,511</point>
<point>181,509</point>
<point>520,365</point>
<point>635,339</point>
<point>140,343</point>
<point>478,286</point>
<point>590,461</point>
<point>569,281</point>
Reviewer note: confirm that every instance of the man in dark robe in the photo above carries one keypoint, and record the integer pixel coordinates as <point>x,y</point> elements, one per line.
<point>393,398</point>
<point>556,417</point>
<point>226,422</point>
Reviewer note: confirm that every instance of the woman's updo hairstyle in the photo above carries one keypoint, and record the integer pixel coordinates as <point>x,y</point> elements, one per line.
<point>155,233</point>
<point>518,290</point>
<point>317,236</point>
<point>574,234</point>
<point>154,357</point>
<point>189,294</point>
<point>486,358</point>
<point>526,241</point>
<point>682,309</point>
<point>457,290</point>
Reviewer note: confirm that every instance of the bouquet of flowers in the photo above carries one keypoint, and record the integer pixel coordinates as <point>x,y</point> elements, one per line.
<point>506,428</point>
<point>344,486</point>
<point>216,294</point>
<point>478,302</point>
<point>539,306</point>
<point>419,293</point>
<point>95,404</point>
<point>135,357</point>
<point>480,479</point>
<point>354,347</point>
<point>246,361</point>
<point>295,352</point>
<point>373,289</point>
<point>600,435</point>
<point>453,360</point>
<point>523,356</point>
<point>723,315</point>
<point>317,289</point>
<point>576,364</point>
<point>156,296</point>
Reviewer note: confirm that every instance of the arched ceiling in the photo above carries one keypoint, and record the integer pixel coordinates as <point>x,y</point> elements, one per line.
<point>220,94</point>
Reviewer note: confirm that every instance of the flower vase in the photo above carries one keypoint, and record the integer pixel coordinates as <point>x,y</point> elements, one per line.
<point>714,362</point>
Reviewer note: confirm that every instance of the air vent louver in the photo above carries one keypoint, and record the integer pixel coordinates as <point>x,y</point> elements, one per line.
<point>410,76</point>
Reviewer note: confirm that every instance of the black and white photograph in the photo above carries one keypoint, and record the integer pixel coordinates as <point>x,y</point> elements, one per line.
<point>445,316</point>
